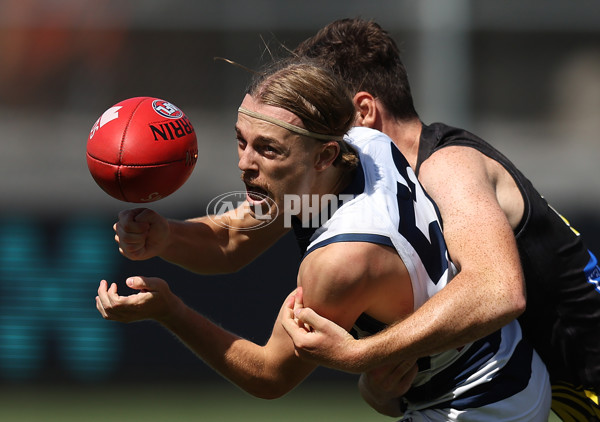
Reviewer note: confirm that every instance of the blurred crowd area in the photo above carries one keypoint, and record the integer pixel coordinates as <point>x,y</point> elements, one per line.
<point>525,76</point>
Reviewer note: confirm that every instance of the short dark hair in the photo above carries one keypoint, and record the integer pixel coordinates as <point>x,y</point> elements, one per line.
<point>366,57</point>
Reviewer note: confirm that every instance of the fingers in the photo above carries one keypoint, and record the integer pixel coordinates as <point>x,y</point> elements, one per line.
<point>309,318</point>
<point>290,305</point>
<point>401,379</point>
<point>404,369</point>
<point>112,291</point>
<point>145,216</point>
<point>135,220</point>
<point>391,380</point>
<point>101,293</point>
<point>297,305</point>
<point>106,298</point>
<point>134,307</point>
<point>137,283</point>
<point>304,316</point>
<point>412,373</point>
<point>294,328</point>
<point>141,233</point>
<point>130,233</point>
<point>298,299</point>
<point>289,320</point>
<point>297,327</point>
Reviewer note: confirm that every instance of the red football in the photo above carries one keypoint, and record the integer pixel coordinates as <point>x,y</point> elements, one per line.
<point>142,149</point>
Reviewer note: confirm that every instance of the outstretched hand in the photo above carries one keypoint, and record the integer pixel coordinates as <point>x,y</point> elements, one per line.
<point>153,300</point>
<point>318,339</point>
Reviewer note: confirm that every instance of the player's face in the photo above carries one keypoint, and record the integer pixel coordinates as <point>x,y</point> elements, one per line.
<point>274,161</point>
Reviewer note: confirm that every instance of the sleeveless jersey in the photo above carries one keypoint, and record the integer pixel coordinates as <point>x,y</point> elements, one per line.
<point>562,319</point>
<point>386,205</point>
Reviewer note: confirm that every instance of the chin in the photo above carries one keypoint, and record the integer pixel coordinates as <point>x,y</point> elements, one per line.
<point>262,206</point>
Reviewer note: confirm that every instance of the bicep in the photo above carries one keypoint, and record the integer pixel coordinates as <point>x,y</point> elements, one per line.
<point>476,228</point>
<point>478,235</point>
<point>336,279</point>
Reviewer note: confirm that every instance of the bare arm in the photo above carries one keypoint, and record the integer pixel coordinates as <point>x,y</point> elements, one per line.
<point>487,293</point>
<point>267,371</point>
<point>205,245</point>
<point>489,290</point>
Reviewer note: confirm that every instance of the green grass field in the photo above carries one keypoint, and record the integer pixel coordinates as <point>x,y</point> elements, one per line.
<point>152,402</point>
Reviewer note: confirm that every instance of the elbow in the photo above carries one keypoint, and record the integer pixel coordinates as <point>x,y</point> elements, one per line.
<point>268,391</point>
<point>271,395</point>
<point>233,264</point>
<point>268,386</point>
<point>519,304</point>
<point>517,301</point>
<point>227,264</point>
<point>507,301</point>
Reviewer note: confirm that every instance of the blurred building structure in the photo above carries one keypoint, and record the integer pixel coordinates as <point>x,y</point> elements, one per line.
<point>523,75</point>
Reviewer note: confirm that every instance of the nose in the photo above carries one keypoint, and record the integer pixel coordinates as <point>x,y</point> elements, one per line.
<point>247,159</point>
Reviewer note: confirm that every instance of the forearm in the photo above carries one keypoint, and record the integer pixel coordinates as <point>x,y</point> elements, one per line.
<point>198,246</point>
<point>205,247</point>
<point>240,361</point>
<point>265,371</point>
<point>457,315</point>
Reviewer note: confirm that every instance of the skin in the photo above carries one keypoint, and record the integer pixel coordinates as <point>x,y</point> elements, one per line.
<point>480,206</point>
<point>340,281</point>
<point>486,294</point>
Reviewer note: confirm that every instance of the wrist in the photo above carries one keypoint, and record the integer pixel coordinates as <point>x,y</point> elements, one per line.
<point>169,239</point>
<point>175,312</point>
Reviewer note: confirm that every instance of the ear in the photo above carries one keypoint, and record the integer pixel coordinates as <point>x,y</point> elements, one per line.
<point>367,112</point>
<point>327,155</point>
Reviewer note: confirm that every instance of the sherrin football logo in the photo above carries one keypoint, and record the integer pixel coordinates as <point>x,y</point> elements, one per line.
<point>166,109</point>
<point>108,116</point>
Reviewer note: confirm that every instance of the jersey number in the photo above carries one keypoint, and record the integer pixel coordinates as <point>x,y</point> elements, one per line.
<point>431,249</point>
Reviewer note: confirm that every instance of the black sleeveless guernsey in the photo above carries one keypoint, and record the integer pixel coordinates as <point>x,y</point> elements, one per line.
<point>562,319</point>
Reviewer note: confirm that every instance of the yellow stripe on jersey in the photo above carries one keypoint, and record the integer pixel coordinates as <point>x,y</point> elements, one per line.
<point>574,404</point>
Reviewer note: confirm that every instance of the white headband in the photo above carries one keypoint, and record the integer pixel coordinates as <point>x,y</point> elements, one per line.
<point>289,126</point>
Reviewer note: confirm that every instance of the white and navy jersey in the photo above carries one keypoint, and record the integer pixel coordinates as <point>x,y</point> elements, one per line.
<point>386,205</point>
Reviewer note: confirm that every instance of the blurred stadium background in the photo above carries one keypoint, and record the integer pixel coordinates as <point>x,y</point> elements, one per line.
<point>523,75</point>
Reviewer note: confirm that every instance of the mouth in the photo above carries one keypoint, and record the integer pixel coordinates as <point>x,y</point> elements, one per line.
<point>255,194</point>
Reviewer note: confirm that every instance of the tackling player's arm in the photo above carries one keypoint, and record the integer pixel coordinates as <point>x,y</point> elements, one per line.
<point>489,290</point>
<point>204,245</point>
